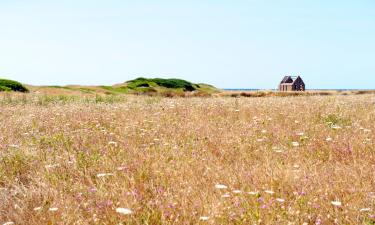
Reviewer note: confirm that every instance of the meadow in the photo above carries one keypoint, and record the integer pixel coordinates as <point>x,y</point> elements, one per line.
<point>215,160</point>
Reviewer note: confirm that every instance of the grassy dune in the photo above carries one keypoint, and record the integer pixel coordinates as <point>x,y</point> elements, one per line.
<point>139,86</point>
<point>151,160</point>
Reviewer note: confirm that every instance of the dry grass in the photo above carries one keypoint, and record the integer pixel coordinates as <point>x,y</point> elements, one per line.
<point>270,93</point>
<point>291,160</point>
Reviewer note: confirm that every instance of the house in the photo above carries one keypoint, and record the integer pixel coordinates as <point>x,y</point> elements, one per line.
<point>292,83</point>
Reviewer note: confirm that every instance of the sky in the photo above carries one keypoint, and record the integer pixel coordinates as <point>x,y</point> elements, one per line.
<point>227,43</point>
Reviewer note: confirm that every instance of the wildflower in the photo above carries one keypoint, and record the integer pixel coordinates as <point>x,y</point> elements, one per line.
<point>237,191</point>
<point>264,131</point>
<point>252,193</point>
<point>204,218</point>
<point>295,144</point>
<point>9,223</point>
<point>51,166</point>
<point>226,196</point>
<point>237,110</point>
<point>318,221</point>
<point>300,134</point>
<point>335,127</point>
<point>220,186</point>
<point>121,168</point>
<point>269,192</point>
<point>92,190</point>
<point>280,200</point>
<point>336,203</point>
<point>103,174</point>
<point>37,208</point>
<point>365,210</point>
<point>277,150</point>
<point>329,139</point>
<point>54,209</point>
<point>124,211</point>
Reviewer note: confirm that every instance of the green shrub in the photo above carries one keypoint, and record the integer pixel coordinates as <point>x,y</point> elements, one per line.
<point>3,88</point>
<point>166,83</point>
<point>6,85</point>
<point>174,83</point>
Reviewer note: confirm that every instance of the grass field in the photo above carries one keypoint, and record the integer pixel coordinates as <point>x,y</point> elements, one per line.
<point>219,160</point>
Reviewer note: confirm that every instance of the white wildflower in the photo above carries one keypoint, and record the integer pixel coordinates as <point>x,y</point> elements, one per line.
<point>120,168</point>
<point>124,211</point>
<point>204,218</point>
<point>51,166</point>
<point>54,209</point>
<point>295,144</point>
<point>237,191</point>
<point>8,223</point>
<point>365,210</point>
<point>37,208</point>
<point>104,174</point>
<point>220,186</point>
<point>253,193</point>
<point>335,127</point>
<point>366,141</point>
<point>269,192</point>
<point>226,196</point>
<point>329,139</point>
<point>280,200</point>
<point>336,203</point>
<point>277,149</point>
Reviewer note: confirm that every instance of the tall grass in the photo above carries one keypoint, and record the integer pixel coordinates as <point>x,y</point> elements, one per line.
<point>153,160</point>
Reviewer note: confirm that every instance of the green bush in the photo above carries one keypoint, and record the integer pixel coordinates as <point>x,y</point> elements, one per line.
<point>7,85</point>
<point>3,88</point>
<point>167,83</point>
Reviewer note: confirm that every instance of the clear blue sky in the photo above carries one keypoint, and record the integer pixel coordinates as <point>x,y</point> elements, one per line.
<point>231,43</point>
